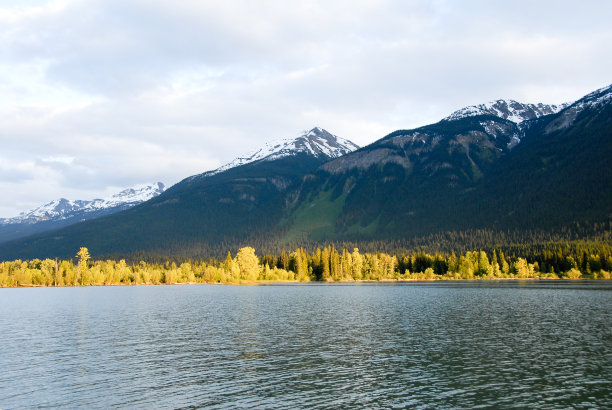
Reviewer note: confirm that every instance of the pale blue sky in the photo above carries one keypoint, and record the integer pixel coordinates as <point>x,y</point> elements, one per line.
<point>97,95</point>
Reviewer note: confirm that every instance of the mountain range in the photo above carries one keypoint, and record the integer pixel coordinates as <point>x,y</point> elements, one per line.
<point>503,167</point>
<point>63,212</point>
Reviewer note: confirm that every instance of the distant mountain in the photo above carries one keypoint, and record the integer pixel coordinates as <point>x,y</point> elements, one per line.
<point>63,212</point>
<point>63,208</point>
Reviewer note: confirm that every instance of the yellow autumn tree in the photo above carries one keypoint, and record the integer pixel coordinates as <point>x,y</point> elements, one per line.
<point>83,255</point>
<point>248,263</point>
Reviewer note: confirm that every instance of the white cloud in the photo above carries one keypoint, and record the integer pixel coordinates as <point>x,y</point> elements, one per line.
<point>138,91</point>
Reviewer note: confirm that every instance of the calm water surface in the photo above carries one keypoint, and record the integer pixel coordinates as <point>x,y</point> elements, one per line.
<point>424,345</point>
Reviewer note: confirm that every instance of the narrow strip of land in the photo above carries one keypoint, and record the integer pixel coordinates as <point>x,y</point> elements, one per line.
<point>326,264</point>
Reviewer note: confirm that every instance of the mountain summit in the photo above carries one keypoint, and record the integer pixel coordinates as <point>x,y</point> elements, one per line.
<point>317,143</point>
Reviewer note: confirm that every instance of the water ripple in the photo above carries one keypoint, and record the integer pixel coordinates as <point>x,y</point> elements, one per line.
<point>372,346</point>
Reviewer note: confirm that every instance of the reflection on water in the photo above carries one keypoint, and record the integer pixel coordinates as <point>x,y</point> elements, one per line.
<point>452,344</point>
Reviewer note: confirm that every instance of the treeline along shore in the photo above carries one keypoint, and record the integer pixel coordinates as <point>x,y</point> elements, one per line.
<point>327,264</point>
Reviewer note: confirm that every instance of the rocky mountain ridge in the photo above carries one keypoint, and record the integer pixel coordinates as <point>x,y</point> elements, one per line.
<point>61,209</point>
<point>510,110</point>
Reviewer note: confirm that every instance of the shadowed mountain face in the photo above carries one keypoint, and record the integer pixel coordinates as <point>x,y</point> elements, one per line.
<point>498,166</point>
<point>409,182</point>
<point>471,171</point>
<point>560,172</point>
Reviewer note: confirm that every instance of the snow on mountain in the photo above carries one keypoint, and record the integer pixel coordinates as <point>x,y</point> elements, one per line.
<point>507,109</point>
<point>592,101</point>
<point>316,142</point>
<point>510,110</point>
<point>64,208</point>
<point>596,99</point>
<point>131,196</point>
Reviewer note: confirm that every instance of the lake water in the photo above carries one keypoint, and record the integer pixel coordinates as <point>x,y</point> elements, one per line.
<point>424,345</point>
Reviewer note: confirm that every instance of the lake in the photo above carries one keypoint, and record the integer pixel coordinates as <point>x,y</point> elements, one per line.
<point>426,345</point>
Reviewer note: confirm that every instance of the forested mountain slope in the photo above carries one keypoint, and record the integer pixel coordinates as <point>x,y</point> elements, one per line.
<point>560,172</point>
<point>470,171</point>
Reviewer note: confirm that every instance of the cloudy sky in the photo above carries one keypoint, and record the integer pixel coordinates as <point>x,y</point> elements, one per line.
<point>98,95</point>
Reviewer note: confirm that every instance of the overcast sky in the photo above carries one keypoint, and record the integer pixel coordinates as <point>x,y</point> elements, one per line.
<point>96,95</point>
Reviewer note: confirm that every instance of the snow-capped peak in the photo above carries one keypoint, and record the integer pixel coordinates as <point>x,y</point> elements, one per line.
<point>507,109</point>
<point>133,195</point>
<point>593,101</point>
<point>596,98</point>
<point>64,208</point>
<point>316,142</point>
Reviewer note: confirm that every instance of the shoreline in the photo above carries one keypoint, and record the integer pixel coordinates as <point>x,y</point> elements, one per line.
<point>314,282</point>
